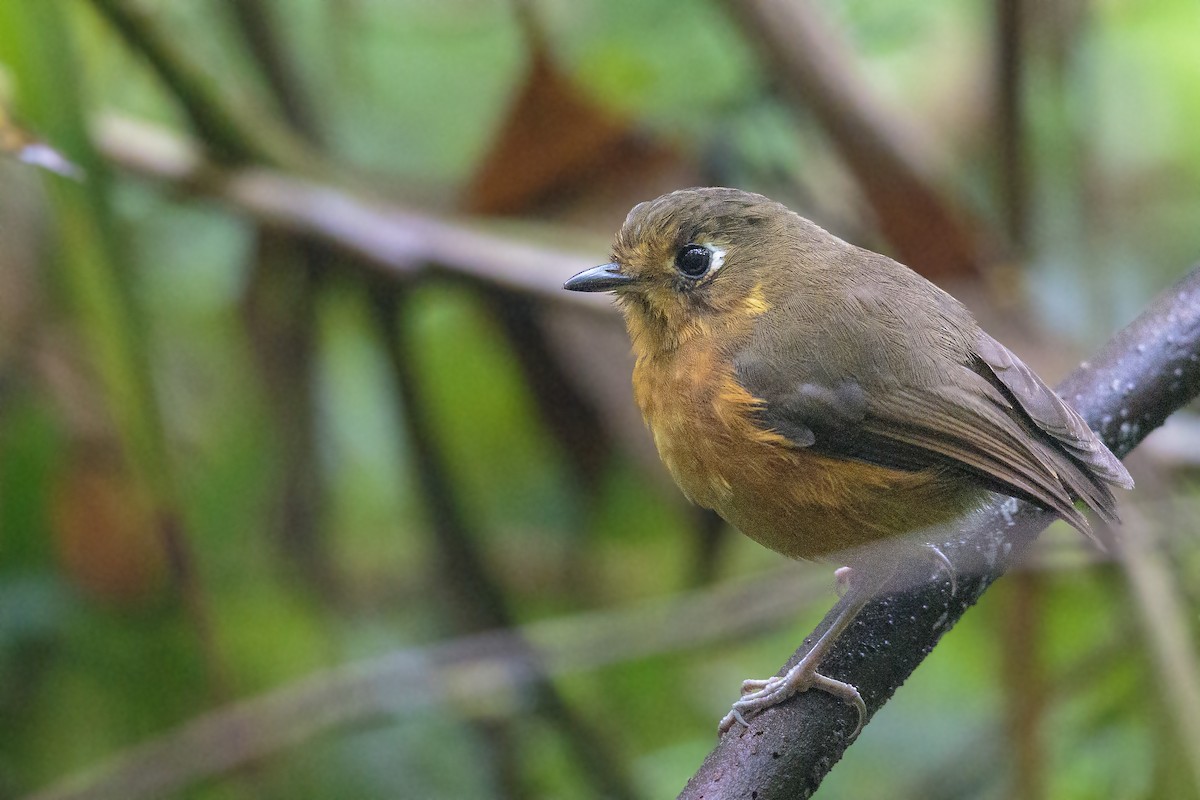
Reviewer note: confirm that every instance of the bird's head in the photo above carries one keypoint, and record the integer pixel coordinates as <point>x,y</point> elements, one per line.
<point>694,261</point>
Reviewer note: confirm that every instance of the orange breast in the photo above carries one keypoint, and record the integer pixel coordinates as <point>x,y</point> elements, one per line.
<point>792,500</point>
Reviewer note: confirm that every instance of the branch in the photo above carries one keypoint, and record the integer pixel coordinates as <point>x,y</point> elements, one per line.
<point>816,71</point>
<point>398,243</point>
<point>234,132</point>
<point>474,597</point>
<point>1147,371</point>
<point>1011,142</point>
<point>257,24</point>
<point>490,668</point>
<point>279,316</point>
<point>1166,632</point>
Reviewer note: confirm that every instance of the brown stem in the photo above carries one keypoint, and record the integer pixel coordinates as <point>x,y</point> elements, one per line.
<point>280,303</point>
<point>232,133</point>
<point>1022,670</point>
<point>712,533</point>
<point>181,562</point>
<point>394,242</point>
<point>477,600</point>
<point>259,28</point>
<point>570,415</point>
<point>279,312</point>
<point>815,69</point>
<point>1010,120</point>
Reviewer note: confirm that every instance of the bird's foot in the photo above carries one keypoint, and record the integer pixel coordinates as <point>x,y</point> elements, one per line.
<point>759,695</point>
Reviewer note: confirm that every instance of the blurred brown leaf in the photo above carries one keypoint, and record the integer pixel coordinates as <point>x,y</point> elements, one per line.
<point>554,143</point>
<point>104,530</point>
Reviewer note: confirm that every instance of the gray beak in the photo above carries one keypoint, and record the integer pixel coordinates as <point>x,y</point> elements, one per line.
<point>603,278</point>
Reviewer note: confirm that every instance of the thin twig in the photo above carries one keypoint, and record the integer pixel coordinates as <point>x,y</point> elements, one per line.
<point>279,308</point>
<point>460,578</point>
<point>492,667</point>
<point>1023,669</point>
<point>472,593</point>
<point>1166,627</point>
<point>1010,139</point>
<point>234,132</point>
<point>398,243</point>
<point>1146,372</point>
<point>259,28</point>
<point>280,303</point>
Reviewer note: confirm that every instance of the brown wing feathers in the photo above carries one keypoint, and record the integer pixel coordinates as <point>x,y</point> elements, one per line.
<point>995,419</point>
<point>1079,459</point>
<point>1050,413</point>
<point>978,435</point>
<point>1003,423</point>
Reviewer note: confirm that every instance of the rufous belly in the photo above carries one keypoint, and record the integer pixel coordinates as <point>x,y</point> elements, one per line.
<point>793,500</point>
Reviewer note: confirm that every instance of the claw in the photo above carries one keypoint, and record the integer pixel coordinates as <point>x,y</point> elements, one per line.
<point>759,695</point>
<point>733,716</point>
<point>770,692</point>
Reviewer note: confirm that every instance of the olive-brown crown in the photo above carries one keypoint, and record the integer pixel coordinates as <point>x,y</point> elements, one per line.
<point>696,256</point>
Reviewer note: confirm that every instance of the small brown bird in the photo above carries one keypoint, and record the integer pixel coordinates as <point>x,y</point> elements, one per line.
<point>821,397</point>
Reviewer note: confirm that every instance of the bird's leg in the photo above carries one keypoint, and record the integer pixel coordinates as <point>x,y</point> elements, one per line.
<point>842,577</point>
<point>943,563</point>
<point>759,695</point>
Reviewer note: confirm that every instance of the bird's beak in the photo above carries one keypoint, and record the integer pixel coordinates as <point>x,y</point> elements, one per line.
<point>603,278</point>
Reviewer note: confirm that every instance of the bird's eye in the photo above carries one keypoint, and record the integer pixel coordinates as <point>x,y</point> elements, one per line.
<point>693,260</point>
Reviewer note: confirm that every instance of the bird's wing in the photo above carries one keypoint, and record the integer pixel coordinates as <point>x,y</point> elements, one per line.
<point>989,416</point>
<point>1049,413</point>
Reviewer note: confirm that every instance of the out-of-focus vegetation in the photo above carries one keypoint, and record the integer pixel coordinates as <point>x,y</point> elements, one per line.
<point>250,470</point>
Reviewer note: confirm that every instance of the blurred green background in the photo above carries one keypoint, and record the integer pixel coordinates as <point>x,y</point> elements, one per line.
<point>350,502</point>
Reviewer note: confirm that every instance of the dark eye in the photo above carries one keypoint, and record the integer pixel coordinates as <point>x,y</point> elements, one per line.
<point>693,260</point>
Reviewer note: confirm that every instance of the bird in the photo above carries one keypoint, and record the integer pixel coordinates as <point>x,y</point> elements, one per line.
<point>823,398</point>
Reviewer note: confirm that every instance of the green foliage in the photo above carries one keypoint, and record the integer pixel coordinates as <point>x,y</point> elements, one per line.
<point>144,294</point>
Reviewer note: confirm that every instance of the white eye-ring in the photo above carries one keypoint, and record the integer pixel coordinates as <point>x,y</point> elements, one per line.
<point>718,257</point>
<point>695,260</point>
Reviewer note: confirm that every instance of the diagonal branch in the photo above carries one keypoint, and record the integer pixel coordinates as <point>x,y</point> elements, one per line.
<point>816,73</point>
<point>397,242</point>
<point>258,26</point>
<point>235,133</point>
<point>279,306</point>
<point>1146,372</point>
<point>475,598</point>
<point>496,667</point>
